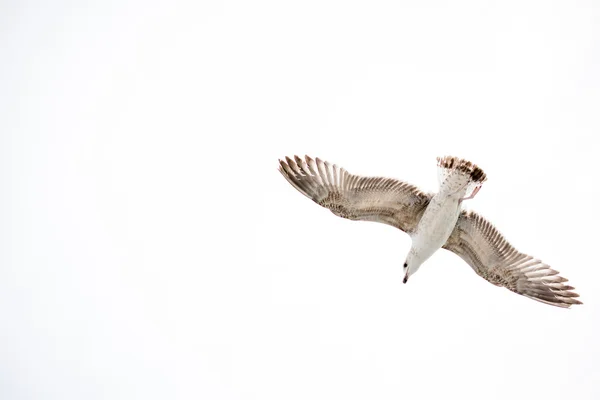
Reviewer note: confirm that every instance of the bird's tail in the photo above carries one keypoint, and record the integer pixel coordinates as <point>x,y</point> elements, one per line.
<point>456,174</point>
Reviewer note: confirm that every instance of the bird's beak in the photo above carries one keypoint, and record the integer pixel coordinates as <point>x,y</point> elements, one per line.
<point>405,278</point>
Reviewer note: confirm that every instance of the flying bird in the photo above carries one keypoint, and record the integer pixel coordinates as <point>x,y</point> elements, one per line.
<point>433,221</point>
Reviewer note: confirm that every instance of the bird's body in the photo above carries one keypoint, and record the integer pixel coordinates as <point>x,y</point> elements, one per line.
<point>432,221</point>
<point>434,228</point>
<point>456,177</point>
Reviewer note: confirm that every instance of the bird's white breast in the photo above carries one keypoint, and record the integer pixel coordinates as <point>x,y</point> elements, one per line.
<point>436,225</point>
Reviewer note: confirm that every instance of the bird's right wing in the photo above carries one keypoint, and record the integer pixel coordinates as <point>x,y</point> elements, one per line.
<point>480,244</point>
<point>384,200</point>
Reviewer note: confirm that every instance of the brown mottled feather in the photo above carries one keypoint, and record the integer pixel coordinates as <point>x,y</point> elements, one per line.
<point>384,200</point>
<point>454,163</point>
<point>480,244</point>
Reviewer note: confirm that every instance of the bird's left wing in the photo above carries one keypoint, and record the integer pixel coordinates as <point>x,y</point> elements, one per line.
<point>480,244</point>
<point>384,200</point>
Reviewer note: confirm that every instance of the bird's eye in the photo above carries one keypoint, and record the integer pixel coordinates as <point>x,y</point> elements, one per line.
<point>405,265</point>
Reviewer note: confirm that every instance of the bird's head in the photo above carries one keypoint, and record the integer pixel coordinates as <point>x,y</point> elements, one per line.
<point>411,265</point>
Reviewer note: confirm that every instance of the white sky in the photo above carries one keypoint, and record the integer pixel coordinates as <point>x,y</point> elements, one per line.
<point>149,249</point>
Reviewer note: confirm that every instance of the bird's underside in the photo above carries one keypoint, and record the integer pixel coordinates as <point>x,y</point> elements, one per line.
<point>402,205</point>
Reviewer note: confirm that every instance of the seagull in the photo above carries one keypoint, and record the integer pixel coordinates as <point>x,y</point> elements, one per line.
<point>433,221</point>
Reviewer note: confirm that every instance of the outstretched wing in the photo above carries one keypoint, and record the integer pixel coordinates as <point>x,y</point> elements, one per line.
<point>385,200</point>
<point>480,244</point>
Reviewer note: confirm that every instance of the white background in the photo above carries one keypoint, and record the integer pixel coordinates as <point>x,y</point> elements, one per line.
<point>149,249</point>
